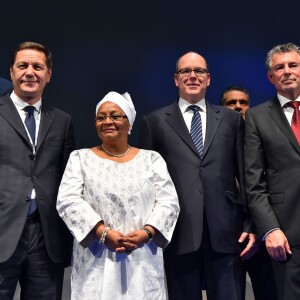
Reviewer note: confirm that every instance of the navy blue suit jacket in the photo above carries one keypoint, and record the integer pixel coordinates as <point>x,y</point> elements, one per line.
<point>202,183</point>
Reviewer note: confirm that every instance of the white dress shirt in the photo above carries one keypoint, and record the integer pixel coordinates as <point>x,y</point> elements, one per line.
<point>20,105</point>
<point>288,111</point>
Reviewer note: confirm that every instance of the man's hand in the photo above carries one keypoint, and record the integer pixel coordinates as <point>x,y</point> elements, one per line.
<point>278,245</point>
<point>251,247</point>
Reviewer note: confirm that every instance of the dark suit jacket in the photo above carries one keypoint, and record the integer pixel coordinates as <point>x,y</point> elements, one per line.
<point>209,182</point>
<point>272,160</point>
<point>20,170</point>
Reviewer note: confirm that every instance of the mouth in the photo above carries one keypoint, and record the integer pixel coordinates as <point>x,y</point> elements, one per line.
<point>289,80</point>
<point>108,130</point>
<point>193,85</point>
<point>29,82</point>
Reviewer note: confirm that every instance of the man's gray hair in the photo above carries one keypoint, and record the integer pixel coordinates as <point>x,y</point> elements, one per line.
<point>283,48</point>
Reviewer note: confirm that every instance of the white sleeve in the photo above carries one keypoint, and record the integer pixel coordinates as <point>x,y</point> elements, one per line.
<point>166,209</point>
<point>77,213</point>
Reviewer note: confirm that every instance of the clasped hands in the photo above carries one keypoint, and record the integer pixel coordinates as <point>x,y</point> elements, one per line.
<point>124,243</point>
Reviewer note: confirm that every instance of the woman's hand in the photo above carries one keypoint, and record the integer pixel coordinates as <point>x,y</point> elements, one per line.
<point>136,238</point>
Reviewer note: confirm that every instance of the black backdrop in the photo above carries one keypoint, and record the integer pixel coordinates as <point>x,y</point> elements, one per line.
<point>132,46</point>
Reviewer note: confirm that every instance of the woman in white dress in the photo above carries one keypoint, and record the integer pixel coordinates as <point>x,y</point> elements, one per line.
<point>120,204</point>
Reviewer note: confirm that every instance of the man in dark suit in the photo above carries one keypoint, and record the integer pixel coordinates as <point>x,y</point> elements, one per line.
<point>210,230</point>
<point>5,86</point>
<point>35,143</point>
<point>272,164</point>
<point>259,266</point>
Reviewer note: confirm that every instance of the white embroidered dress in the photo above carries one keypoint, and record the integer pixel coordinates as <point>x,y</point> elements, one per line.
<point>126,196</point>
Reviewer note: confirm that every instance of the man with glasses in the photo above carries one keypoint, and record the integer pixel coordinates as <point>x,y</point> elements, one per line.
<point>272,160</point>
<point>203,147</point>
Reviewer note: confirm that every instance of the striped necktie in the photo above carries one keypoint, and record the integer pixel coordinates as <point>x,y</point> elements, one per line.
<point>196,129</point>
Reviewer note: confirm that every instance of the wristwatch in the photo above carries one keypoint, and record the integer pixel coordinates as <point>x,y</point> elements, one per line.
<point>150,236</point>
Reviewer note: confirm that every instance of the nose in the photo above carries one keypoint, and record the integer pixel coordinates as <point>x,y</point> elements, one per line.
<point>193,74</point>
<point>238,106</point>
<point>29,70</point>
<point>107,120</point>
<point>287,69</point>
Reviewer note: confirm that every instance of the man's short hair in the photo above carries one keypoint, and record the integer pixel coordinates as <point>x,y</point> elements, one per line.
<point>231,89</point>
<point>34,46</point>
<point>283,48</point>
<point>177,62</point>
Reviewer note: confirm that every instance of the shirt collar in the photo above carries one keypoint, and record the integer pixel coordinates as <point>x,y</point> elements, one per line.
<point>21,104</point>
<point>183,104</point>
<point>283,100</point>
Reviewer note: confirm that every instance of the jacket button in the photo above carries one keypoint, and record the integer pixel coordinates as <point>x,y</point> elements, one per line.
<point>27,199</point>
<point>33,177</point>
<point>31,156</point>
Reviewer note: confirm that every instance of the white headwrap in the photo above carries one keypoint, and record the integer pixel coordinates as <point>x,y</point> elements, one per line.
<point>124,102</point>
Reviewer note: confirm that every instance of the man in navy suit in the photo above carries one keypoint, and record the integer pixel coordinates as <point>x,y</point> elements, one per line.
<point>35,143</point>
<point>207,242</point>
<point>5,86</point>
<point>272,160</point>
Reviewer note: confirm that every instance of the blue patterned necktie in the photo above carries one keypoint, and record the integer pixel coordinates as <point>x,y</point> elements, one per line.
<point>196,129</point>
<point>30,124</point>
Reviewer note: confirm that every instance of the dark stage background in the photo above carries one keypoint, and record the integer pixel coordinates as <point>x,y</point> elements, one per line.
<point>132,46</point>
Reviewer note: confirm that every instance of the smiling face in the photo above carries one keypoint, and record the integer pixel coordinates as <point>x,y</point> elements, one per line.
<point>30,75</point>
<point>284,73</point>
<point>192,88</point>
<point>111,130</point>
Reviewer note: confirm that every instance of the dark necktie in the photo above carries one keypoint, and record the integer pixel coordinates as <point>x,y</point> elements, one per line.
<point>30,124</point>
<point>295,119</point>
<point>196,129</point>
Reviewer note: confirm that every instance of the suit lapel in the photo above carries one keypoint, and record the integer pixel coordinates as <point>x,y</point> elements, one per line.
<point>47,118</point>
<point>175,119</point>
<point>276,113</point>
<point>11,115</point>
<point>213,120</point>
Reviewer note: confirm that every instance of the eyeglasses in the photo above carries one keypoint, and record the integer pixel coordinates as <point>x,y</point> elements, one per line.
<point>187,72</point>
<point>112,118</point>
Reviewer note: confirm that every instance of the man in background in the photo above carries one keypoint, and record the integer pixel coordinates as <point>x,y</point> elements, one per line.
<point>272,164</point>
<point>203,147</point>
<point>259,265</point>
<point>236,98</point>
<point>35,143</point>
<point>5,86</point>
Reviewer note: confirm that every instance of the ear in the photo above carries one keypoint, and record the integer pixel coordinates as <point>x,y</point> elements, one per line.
<point>49,75</point>
<point>176,79</point>
<point>270,76</point>
<point>11,73</point>
<point>208,79</point>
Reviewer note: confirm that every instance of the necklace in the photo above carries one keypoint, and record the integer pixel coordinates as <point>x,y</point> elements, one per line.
<point>116,155</point>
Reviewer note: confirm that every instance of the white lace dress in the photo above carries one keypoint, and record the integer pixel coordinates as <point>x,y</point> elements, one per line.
<point>126,196</point>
